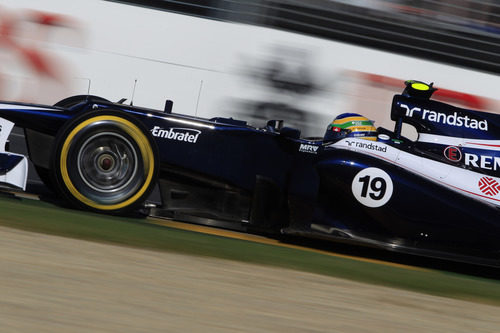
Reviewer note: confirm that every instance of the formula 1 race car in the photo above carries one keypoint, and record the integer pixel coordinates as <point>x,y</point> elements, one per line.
<point>435,196</point>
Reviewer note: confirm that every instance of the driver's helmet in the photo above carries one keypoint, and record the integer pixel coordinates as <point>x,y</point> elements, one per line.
<point>351,125</point>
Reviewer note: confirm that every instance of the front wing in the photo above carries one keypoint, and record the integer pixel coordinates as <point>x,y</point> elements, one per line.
<point>13,167</point>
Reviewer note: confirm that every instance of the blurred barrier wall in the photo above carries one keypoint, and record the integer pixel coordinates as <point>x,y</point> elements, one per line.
<point>54,48</point>
<point>462,32</point>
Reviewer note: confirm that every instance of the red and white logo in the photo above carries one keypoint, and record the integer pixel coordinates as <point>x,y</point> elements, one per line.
<point>489,186</point>
<point>453,153</point>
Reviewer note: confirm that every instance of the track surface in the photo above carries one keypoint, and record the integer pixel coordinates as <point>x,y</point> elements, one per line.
<point>54,284</point>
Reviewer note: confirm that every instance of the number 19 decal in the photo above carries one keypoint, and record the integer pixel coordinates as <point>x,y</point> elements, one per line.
<point>372,187</point>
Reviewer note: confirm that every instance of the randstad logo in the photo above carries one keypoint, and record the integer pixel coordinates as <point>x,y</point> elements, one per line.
<point>370,146</point>
<point>179,134</point>
<point>448,119</point>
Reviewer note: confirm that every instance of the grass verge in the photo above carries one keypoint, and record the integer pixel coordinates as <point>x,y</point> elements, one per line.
<point>43,217</point>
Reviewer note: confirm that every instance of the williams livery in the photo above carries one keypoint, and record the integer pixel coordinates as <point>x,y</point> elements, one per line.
<point>437,195</point>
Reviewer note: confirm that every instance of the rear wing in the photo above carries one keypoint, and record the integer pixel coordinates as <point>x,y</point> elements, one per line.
<point>433,117</point>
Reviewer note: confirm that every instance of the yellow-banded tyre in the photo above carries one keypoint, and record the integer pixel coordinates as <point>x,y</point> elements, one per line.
<point>105,161</point>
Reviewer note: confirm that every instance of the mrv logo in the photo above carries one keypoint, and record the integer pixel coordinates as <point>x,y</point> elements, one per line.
<point>179,134</point>
<point>448,119</point>
<point>304,148</point>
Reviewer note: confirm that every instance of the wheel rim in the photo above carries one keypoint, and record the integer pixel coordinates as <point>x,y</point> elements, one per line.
<point>141,163</point>
<point>107,162</point>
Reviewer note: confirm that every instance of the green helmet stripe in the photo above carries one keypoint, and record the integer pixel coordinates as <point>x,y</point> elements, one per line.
<point>354,123</point>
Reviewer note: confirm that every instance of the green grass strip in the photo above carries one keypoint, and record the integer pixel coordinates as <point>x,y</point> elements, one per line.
<point>46,218</point>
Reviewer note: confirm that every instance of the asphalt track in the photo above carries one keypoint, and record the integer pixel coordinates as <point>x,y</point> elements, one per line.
<point>56,284</point>
<point>62,285</point>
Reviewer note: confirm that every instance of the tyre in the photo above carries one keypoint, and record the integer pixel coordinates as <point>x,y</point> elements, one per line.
<point>105,161</point>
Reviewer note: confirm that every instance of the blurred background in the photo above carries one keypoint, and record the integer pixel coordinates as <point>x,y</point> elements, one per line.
<point>301,61</point>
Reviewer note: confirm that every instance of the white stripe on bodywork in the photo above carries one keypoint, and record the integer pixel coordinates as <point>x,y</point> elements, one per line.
<point>462,142</point>
<point>457,179</point>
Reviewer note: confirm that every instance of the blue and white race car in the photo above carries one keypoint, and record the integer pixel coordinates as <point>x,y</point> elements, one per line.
<point>436,196</point>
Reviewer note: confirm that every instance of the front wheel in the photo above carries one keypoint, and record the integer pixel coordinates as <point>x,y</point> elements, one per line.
<point>105,161</point>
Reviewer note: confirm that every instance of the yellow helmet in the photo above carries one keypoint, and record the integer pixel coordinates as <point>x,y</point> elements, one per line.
<point>351,125</point>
